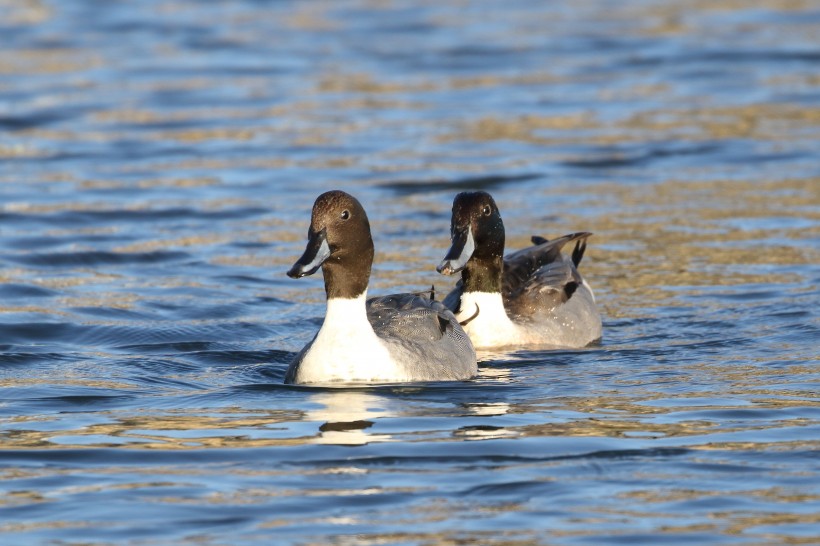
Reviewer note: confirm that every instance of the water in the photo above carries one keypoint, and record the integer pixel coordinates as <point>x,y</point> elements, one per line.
<point>159,162</point>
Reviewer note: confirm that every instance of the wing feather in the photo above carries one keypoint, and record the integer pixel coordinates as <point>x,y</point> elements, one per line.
<point>540,276</point>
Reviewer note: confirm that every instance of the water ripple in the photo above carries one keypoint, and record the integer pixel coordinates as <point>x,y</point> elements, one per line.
<point>96,258</point>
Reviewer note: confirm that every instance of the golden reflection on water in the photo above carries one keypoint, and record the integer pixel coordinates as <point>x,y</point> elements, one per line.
<point>347,417</point>
<point>341,417</point>
<point>633,263</point>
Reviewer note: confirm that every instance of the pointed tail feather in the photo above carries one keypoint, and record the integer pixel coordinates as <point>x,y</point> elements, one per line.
<point>578,252</point>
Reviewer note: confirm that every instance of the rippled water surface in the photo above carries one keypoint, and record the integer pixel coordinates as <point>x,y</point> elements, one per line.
<point>158,162</point>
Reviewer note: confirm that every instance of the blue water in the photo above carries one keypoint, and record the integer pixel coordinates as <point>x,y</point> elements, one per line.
<point>158,162</point>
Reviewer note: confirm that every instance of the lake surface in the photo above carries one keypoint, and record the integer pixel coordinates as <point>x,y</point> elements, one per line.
<point>158,163</point>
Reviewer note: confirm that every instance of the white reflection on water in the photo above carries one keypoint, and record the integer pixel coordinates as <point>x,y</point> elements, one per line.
<point>489,408</point>
<point>346,416</point>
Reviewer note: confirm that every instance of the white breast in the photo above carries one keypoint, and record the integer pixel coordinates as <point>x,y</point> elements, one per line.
<point>573,324</point>
<point>492,327</point>
<point>346,348</point>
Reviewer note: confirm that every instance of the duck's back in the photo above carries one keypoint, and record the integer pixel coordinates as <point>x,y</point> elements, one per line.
<point>542,286</point>
<point>540,278</point>
<point>423,336</point>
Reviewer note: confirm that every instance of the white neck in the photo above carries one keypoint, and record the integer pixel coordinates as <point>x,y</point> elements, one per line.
<point>346,347</point>
<point>344,313</point>
<point>492,327</point>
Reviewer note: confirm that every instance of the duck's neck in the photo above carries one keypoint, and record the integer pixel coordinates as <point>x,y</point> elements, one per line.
<point>346,315</point>
<point>492,326</point>
<point>347,273</point>
<point>483,275</point>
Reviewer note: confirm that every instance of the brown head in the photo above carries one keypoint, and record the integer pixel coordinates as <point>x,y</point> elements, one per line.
<point>339,242</point>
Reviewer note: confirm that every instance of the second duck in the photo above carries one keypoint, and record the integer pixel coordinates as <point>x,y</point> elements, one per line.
<point>534,296</point>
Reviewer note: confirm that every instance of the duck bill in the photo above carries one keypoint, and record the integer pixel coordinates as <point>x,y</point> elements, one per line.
<point>461,250</point>
<point>316,253</point>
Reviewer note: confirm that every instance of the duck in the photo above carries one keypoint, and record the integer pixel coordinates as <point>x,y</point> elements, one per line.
<point>535,296</point>
<point>395,338</point>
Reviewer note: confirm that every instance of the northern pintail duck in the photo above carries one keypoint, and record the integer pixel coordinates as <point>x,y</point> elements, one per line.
<point>388,339</point>
<point>535,296</point>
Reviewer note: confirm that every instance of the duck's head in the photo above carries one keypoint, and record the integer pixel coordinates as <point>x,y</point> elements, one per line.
<point>476,232</point>
<point>339,241</point>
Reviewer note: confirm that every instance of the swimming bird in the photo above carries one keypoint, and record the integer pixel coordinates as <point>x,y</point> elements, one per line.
<point>387,339</point>
<point>535,296</point>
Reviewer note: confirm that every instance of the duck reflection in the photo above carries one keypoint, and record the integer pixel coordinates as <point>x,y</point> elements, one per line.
<point>487,409</point>
<point>503,354</point>
<point>348,415</point>
<point>485,430</point>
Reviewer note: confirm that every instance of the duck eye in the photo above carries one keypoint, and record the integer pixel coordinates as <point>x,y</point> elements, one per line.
<point>486,210</point>
<point>345,214</point>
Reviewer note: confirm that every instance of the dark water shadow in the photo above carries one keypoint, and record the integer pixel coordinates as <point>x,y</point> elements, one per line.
<point>410,187</point>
